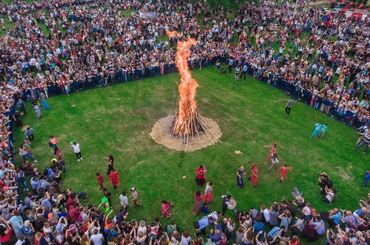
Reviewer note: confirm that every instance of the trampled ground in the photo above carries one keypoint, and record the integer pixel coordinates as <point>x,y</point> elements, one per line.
<point>117,120</point>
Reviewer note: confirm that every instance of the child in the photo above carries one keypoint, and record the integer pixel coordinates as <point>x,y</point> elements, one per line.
<point>208,193</point>
<point>273,150</point>
<point>76,150</point>
<point>274,161</point>
<point>254,175</point>
<point>201,175</point>
<point>100,179</point>
<point>114,178</point>
<point>135,197</point>
<point>166,209</point>
<point>283,172</point>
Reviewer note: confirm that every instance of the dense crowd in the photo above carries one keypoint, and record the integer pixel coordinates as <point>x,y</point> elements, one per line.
<point>319,56</point>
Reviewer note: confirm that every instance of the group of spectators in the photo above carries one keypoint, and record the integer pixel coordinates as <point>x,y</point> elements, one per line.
<point>54,47</point>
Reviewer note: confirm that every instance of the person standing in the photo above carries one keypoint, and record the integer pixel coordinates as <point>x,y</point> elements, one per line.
<point>16,222</point>
<point>123,200</point>
<point>365,141</point>
<point>289,106</point>
<point>201,175</point>
<point>114,178</point>
<point>37,109</point>
<point>135,197</point>
<point>198,198</point>
<point>283,172</point>
<point>208,193</point>
<point>254,175</point>
<point>44,102</point>
<point>77,150</point>
<point>367,178</point>
<point>29,134</point>
<point>53,143</point>
<point>240,174</point>
<point>100,180</point>
<point>110,164</point>
<point>244,71</point>
<point>272,152</point>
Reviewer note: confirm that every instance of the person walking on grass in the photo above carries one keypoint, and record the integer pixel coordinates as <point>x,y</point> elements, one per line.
<point>37,109</point>
<point>289,106</point>
<point>200,177</point>
<point>135,197</point>
<point>77,150</point>
<point>100,179</point>
<point>240,174</point>
<point>367,178</point>
<point>53,143</point>
<point>114,178</point>
<point>44,102</point>
<point>208,193</point>
<point>254,175</point>
<point>365,141</point>
<point>272,152</point>
<point>110,164</point>
<point>198,198</point>
<point>29,134</point>
<point>123,200</point>
<point>283,172</point>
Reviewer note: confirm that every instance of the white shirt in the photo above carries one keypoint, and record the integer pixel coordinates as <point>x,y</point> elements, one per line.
<point>76,148</point>
<point>124,200</point>
<point>97,239</point>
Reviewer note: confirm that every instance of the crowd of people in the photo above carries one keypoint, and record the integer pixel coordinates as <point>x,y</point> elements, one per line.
<point>55,47</point>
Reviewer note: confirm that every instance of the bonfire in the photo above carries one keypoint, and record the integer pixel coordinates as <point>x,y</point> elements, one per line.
<point>187,130</point>
<point>187,121</point>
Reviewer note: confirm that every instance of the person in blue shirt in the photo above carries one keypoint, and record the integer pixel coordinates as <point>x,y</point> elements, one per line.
<point>335,217</point>
<point>367,178</point>
<point>258,226</point>
<point>316,130</point>
<point>323,130</point>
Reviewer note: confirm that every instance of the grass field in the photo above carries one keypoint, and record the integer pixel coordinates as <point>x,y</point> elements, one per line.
<point>117,120</point>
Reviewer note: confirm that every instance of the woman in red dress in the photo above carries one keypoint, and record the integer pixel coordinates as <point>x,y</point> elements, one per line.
<point>198,202</point>
<point>208,193</point>
<point>254,175</point>
<point>283,172</point>
<point>201,175</point>
<point>114,178</point>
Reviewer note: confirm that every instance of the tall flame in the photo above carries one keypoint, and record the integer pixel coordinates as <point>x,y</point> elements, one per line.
<point>185,122</point>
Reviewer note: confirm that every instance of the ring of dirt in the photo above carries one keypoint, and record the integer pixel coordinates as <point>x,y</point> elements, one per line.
<point>161,134</point>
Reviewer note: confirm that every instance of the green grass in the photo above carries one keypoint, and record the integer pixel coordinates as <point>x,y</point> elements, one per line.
<point>117,120</point>
<point>126,13</point>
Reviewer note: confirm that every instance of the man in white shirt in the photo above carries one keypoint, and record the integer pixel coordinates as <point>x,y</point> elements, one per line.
<point>76,150</point>
<point>123,200</point>
<point>97,238</point>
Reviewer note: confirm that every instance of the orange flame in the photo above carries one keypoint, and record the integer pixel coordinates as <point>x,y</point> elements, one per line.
<point>187,87</point>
